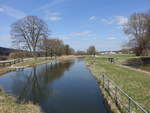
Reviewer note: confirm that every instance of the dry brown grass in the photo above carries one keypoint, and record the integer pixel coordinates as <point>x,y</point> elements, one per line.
<point>8,105</point>
<point>5,70</point>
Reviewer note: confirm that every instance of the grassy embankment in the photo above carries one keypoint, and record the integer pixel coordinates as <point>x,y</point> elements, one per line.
<point>140,62</point>
<point>34,62</point>
<point>26,63</point>
<point>134,82</point>
<point>8,105</point>
<point>5,70</point>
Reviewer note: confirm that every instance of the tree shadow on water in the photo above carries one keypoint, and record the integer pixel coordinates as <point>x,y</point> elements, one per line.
<point>35,85</point>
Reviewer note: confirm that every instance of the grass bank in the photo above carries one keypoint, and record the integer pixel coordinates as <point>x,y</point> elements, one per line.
<point>33,62</point>
<point>8,105</point>
<point>138,62</point>
<point>5,70</point>
<point>142,63</point>
<point>135,83</point>
<point>26,63</point>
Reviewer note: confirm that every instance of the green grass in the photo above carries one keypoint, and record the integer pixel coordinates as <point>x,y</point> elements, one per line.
<point>135,83</point>
<point>119,58</point>
<point>119,55</point>
<point>124,58</point>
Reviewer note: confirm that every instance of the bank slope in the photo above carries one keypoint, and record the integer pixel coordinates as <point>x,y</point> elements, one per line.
<point>135,83</point>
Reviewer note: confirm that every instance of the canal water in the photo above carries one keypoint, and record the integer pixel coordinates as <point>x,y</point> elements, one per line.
<point>58,87</point>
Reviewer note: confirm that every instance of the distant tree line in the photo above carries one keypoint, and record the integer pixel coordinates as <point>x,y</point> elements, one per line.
<point>55,47</point>
<point>31,36</point>
<point>91,50</point>
<point>138,29</point>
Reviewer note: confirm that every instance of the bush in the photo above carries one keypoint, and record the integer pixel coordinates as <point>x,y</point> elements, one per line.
<point>16,55</point>
<point>3,58</point>
<point>20,54</point>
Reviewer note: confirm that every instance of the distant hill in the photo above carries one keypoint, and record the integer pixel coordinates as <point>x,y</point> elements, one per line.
<point>6,51</point>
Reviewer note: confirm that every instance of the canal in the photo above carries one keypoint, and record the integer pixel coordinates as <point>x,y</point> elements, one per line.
<point>58,87</point>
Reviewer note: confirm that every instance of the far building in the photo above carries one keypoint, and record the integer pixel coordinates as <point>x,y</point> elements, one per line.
<point>107,52</point>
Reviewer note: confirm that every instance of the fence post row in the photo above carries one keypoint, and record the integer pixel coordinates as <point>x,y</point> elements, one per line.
<point>117,93</point>
<point>129,106</point>
<point>6,63</point>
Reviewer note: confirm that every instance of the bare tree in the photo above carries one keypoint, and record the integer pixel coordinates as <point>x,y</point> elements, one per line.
<point>68,50</point>
<point>91,50</point>
<point>29,31</point>
<point>52,47</point>
<point>137,28</point>
<point>58,47</point>
<point>44,46</point>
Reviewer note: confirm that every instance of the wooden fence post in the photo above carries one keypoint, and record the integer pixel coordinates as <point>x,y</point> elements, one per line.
<point>117,97</point>
<point>108,85</point>
<point>129,105</point>
<point>116,91</point>
<point>103,81</point>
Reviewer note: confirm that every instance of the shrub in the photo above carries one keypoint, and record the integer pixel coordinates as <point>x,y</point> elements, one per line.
<point>3,57</point>
<point>16,55</point>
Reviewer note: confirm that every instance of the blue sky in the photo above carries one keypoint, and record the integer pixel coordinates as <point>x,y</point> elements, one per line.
<point>79,23</point>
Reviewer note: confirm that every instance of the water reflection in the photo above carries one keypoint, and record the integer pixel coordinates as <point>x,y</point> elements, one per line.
<point>35,85</point>
<point>58,87</point>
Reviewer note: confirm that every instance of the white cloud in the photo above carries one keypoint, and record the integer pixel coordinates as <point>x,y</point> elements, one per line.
<point>121,20</point>
<point>49,5</point>
<point>54,18</point>
<point>64,38</point>
<point>12,12</point>
<point>1,9</point>
<point>90,38</point>
<point>45,8</point>
<point>107,21</point>
<point>55,13</point>
<point>92,18</point>
<point>86,32</point>
<point>111,38</point>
